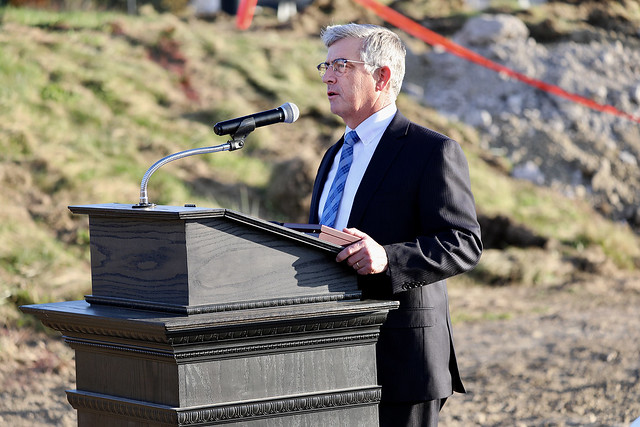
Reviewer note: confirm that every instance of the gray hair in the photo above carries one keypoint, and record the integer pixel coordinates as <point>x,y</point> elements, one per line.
<point>380,47</point>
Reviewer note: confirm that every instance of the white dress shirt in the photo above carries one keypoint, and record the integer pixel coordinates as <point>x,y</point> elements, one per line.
<point>370,132</point>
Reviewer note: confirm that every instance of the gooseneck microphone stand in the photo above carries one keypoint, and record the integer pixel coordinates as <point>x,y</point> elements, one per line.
<point>236,142</point>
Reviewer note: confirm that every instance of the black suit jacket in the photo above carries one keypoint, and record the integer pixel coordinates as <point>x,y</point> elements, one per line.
<point>415,200</point>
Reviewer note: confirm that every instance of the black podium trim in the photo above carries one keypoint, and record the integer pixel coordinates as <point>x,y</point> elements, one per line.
<point>217,308</point>
<point>231,412</point>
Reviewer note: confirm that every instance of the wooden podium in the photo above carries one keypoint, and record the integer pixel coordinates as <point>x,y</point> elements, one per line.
<point>208,316</point>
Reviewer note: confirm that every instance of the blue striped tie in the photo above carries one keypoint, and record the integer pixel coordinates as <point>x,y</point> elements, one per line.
<point>332,204</point>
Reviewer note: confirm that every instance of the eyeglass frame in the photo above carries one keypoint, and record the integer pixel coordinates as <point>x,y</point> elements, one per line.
<point>325,66</point>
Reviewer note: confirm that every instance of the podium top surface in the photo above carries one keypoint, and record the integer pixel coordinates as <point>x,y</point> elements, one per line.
<point>165,212</point>
<point>157,211</point>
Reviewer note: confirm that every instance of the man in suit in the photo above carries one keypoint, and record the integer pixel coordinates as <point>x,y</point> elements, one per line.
<point>404,190</point>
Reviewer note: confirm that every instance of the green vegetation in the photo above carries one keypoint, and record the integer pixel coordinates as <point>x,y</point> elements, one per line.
<point>90,100</point>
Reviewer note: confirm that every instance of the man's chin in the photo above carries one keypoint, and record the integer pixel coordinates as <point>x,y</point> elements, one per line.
<point>335,109</point>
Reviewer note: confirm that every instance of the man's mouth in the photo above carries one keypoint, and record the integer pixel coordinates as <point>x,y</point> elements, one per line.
<point>331,94</point>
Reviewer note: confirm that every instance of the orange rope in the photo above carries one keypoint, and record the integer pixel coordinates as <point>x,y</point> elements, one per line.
<point>432,38</point>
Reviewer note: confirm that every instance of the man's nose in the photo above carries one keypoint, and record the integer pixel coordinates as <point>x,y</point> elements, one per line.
<point>329,76</point>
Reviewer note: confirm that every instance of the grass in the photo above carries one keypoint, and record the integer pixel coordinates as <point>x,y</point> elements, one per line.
<point>86,111</point>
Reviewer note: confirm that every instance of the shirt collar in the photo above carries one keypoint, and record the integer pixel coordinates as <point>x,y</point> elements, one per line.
<point>372,128</point>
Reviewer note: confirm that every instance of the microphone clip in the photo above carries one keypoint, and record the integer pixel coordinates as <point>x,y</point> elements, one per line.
<point>247,126</point>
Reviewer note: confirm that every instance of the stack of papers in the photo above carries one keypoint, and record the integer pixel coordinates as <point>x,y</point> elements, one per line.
<point>332,235</point>
<point>325,233</point>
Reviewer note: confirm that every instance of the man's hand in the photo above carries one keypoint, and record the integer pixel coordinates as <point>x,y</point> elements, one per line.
<point>366,256</point>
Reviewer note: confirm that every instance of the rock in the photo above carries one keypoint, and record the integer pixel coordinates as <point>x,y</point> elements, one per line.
<point>528,171</point>
<point>290,187</point>
<point>486,30</point>
<point>500,232</point>
<point>549,137</point>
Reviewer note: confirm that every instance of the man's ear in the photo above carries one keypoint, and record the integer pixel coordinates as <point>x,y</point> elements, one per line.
<point>383,75</point>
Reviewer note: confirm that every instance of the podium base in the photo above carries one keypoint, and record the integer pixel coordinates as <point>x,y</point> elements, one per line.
<point>301,365</point>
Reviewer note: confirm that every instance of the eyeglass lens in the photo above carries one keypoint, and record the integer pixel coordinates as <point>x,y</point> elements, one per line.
<point>338,66</point>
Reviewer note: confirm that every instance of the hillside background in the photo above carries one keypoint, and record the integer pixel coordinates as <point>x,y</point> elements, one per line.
<point>90,99</point>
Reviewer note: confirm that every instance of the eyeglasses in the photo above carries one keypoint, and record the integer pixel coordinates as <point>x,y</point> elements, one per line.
<point>339,66</point>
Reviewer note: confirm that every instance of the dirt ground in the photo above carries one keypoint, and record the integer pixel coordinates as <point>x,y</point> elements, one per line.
<point>530,356</point>
<point>566,356</point>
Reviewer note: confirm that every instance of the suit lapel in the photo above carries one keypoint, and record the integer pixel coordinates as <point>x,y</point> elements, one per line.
<point>388,148</point>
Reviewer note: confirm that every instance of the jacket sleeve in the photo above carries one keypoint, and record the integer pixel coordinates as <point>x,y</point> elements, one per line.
<point>448,239</point>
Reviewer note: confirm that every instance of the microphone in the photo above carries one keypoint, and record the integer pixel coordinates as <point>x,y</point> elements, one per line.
<point>287,113</point>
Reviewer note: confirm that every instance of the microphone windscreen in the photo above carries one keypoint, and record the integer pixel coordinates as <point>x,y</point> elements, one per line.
<point>291,112</point>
